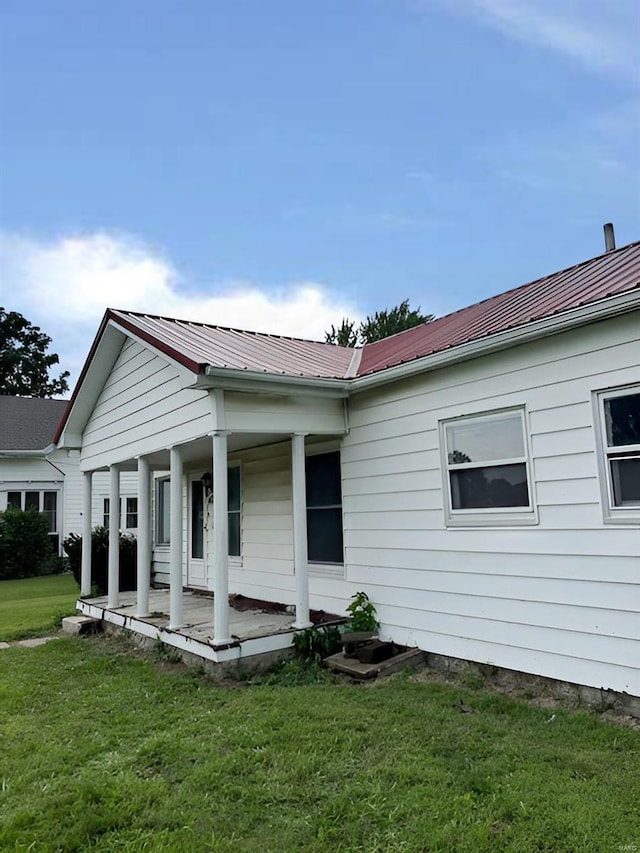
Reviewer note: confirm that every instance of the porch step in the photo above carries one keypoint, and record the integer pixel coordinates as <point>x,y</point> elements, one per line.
<point>81,625</point>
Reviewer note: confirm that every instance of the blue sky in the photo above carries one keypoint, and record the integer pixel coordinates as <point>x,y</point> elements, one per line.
<point>276,165</point>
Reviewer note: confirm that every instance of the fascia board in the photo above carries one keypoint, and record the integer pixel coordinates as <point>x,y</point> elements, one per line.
<point>611,307</point>
<point>250,381</point>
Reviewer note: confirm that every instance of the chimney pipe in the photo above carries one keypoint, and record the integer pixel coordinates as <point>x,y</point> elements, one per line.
<point>609,238</point>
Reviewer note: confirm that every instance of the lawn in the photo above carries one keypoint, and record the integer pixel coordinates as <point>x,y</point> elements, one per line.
<point>35,605</point>
<point>106,749</point>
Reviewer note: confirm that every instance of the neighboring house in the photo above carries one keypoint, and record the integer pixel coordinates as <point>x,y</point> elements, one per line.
<point>478,476</point>
<point>35,474</point>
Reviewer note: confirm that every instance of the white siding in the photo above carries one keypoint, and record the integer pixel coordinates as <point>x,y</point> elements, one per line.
<point>143,408</point>
<point>561,598</point>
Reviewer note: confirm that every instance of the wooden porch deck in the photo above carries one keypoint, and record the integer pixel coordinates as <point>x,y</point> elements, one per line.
<point>254,632</point>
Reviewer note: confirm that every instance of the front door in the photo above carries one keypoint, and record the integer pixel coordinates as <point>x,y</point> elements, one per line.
<point>196,561</point>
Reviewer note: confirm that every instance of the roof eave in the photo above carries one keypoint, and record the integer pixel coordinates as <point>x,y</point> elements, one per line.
<point>233,379</point>
<point>603,309</point>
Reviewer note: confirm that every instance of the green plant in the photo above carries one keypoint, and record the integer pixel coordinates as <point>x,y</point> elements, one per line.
<point>313,643</point>
<point>363,613</point>
<point>25,545</point>
<point>72,546</point>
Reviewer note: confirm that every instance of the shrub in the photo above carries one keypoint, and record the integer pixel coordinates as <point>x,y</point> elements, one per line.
<point>100,558</point>
<point>313,644</point>
<point>25,545</point>
<point>363,613</point>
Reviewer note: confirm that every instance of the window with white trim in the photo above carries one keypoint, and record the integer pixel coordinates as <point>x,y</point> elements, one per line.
<point>619,415</point>
<point>234,509</point>
<point>46,503</point>
<point>324,508</point>
<point>163,511</point>
<point>487,469</point>
<point>131,514</point>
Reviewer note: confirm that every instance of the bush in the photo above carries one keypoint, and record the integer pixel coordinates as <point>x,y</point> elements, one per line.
<point>100,558</point>
<point>313,644</point>
<point>25,545</point>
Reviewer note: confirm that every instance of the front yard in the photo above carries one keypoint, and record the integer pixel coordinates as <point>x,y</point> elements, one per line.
<point>35,605</point>
<point>104,748</point>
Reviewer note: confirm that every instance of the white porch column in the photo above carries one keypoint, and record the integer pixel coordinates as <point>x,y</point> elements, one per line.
<point>220,541</point>
<point>85,569</point>
<point>175,551</point>
<point>144,537</point>
<point>113,571</point>
<point>300,554</point>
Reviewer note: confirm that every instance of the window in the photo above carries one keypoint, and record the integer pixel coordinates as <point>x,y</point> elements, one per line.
<point>324,508</point>
<point>487,469</point>
<point>163,506</point>
<point>619,414</point>
<point>105,513</point>
<point>198,505</point>
<point>234,509</point>
<point>131,517</point>
<point>50,509</point>
<point>46,503</point>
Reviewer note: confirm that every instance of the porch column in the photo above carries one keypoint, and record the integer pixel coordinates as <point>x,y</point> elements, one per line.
<point>175,551</point>
<point>113,571</point>
<point>220,541</point>
<point>144,537</point>
<point>300,553</point>
<point>85,569</point>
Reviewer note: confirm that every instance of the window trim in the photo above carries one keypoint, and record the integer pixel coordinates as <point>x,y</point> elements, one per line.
<point>611,514</point>
<point>490,516</point>
<point>323,568</point>
<point>161,542</point>
<point>237,558</point>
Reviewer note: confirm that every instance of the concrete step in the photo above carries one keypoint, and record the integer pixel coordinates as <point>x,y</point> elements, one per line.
<point>81,625</point>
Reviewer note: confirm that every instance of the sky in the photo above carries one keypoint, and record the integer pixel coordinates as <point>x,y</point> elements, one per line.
<point>276,165</point>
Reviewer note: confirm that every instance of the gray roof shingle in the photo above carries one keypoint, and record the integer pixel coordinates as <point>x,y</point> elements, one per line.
<point>29,423</point>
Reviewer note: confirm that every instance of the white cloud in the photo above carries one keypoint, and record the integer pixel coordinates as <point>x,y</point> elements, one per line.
<point>601,36</point>
<point>65,285</point>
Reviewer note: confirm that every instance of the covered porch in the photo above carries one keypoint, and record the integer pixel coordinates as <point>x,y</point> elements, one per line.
<point>255,628</point>
<point>186,518</point>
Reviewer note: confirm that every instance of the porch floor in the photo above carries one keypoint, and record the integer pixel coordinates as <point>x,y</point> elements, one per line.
<point>253,631</point>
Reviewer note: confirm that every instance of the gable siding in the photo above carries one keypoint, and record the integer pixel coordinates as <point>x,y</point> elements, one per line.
<point>141,409</point>
<point>560,598</point>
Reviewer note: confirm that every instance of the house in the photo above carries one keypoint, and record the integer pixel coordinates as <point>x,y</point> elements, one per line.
<point>35,474</point>
<point>477,476</point>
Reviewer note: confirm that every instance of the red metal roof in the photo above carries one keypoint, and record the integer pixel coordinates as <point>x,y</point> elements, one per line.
<point>197,345</point>
<point>590,281</point>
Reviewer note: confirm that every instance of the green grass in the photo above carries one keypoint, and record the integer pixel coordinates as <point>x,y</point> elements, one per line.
<point>35,605</point>
<point>105,750</point>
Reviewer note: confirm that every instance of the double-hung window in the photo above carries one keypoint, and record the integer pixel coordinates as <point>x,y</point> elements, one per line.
<point>324,508</point>
<point>619,417</point>
<point>487,470</point>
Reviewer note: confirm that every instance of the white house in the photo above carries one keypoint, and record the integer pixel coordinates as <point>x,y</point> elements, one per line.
<point>35,474</point>
<point>477,476</point>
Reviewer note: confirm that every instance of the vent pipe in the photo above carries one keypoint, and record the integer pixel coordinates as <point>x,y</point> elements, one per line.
<point>609,238</point>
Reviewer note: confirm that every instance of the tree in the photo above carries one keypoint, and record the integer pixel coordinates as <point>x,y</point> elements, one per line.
<point>24,361</point>
<point>381,325</point>
<point>346,335</point>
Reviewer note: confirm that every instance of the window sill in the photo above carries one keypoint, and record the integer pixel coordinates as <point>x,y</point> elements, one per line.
<point>513,519</point>
<point>623,517</point>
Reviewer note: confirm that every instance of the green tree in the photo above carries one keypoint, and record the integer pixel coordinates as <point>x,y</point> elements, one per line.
<point>346,335</point>
<point>381,325</point>
<point>24,360</point>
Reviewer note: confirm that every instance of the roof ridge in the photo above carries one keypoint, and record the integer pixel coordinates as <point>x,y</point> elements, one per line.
<point>496,296</point>
<point>224,328</point>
